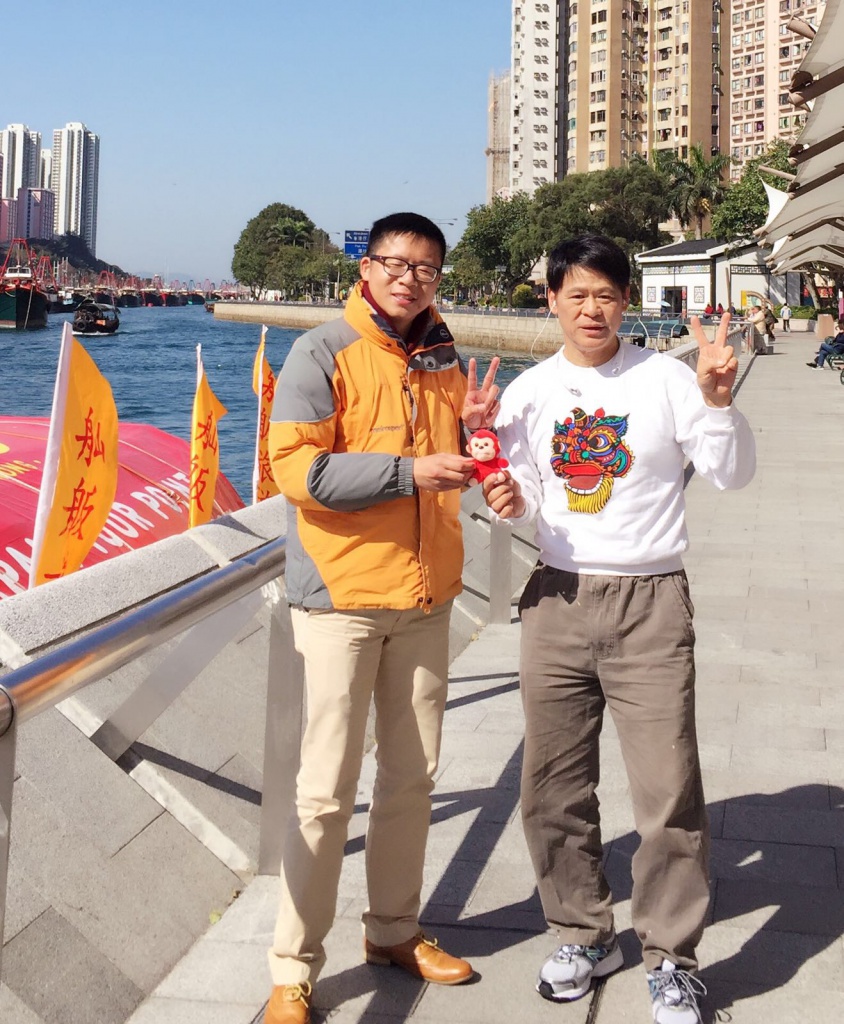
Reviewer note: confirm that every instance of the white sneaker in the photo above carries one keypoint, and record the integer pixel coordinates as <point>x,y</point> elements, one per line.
<point>569,972</point>
<point>675,993</point>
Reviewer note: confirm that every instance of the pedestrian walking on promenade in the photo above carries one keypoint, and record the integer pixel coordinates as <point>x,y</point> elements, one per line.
<point>365,444</point>
<point>785,316</point>
<point>770,321</point>
<point>597,437</point>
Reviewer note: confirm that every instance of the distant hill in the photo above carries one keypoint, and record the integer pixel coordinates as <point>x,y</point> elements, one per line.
<point>69,247</point>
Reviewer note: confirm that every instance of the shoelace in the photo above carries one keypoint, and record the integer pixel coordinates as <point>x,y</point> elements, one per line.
<point>567,953</point>
<point>428,942</point>
<point>688,988</point>
<point>297,993</point>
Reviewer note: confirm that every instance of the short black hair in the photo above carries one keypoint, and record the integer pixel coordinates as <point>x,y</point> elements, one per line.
<point>405,224</point>
<point>594,252</point>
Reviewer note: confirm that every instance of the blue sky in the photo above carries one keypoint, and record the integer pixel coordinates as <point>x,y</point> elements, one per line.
<point>207,112</point>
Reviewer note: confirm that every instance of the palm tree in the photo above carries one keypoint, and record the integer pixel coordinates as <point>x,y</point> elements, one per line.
<point>698,187</point>
<point>288,231</point>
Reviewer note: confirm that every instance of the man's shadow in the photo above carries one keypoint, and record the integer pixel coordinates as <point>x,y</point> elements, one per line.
<point>759,865</point>
<point>753,876</point>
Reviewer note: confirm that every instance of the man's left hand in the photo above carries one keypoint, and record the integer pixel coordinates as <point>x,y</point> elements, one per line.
<point>716,364</point>
<point>481,404</point>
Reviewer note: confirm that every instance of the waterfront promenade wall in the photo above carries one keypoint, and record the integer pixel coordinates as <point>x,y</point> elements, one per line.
<point>527,332</point>
<point>474,330</point>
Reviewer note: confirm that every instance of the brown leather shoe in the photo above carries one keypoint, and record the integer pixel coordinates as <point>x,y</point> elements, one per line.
<point>290,1004</point>
<point>423,958</point>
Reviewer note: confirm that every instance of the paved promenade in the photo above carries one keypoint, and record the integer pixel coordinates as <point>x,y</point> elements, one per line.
<point>767,572</point>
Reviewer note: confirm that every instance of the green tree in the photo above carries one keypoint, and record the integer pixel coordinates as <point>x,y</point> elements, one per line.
<point>745,206</point>
<point>497,241</point>
<point>288,271</point>
<point>293,231</point>
<point>699,187</point>
<point>469,272</point>
<point>623,203</point>
<point>70,247</point>
<point>259,243</point>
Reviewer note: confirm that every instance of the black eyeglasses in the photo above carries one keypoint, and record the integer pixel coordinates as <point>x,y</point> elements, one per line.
<point>395,267</point>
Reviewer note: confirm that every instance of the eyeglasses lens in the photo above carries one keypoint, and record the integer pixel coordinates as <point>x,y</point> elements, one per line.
<point>398,268</point>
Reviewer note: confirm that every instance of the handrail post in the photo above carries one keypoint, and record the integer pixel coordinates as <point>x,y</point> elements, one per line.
<point>7,778</point>
<point>282,737</point>
<point>500,572</point>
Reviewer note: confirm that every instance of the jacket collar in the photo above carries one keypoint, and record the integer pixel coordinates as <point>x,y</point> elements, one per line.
<point>371,321</point>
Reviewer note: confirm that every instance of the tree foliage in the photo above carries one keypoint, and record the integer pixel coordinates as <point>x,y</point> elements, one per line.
<point>698,187</point>
<point>745,206</point>
<point>495,247</point>
<point>623,203</point>
<point>71,247</point>
<point>276,226</point>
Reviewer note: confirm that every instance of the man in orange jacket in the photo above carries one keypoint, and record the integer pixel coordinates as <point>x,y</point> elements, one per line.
<point>366,446</point>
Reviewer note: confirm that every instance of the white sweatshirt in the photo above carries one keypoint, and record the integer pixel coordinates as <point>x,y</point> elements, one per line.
<point>618,435</point>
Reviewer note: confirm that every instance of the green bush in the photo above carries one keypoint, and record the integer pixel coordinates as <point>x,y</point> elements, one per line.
<point>804,313</point>
<point>523,297</point>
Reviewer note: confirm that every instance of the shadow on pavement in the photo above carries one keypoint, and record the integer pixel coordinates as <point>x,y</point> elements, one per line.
<point>804,917</point>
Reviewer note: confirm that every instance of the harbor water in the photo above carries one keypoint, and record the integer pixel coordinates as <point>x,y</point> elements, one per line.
<point>151,366</point>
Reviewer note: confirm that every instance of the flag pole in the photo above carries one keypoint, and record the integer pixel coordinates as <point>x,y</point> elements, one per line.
<point>50,469</point>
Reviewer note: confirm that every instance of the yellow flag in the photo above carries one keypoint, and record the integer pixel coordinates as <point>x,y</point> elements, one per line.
<point>204,448</point>
<point>263,384</point>
<point>80,466</point>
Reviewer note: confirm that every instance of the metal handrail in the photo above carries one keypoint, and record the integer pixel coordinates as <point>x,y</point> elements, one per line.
<point>59,674</point>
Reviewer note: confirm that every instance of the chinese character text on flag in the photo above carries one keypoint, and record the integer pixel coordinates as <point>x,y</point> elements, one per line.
<point>80,467</point>
<point>204,448</point>
<point>263,384</point>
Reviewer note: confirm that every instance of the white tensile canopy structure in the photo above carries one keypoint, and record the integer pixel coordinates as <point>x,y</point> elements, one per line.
<point>806,223</point>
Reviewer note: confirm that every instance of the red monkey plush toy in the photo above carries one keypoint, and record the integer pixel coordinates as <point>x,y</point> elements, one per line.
<point>484,447</point>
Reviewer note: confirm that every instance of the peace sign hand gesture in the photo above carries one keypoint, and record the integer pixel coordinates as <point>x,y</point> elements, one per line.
<point>481,405</point>
<point>716,364</point>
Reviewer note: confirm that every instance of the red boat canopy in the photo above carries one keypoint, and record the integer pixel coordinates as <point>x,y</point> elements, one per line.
<point>151,501</point>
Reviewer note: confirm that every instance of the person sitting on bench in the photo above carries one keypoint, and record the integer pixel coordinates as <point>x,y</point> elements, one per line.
<point>830,347</point>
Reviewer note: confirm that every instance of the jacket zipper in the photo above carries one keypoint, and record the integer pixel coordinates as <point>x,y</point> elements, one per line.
<point>425,600</point>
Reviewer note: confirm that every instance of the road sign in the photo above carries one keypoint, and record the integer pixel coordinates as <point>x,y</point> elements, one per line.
<point>355,243</point>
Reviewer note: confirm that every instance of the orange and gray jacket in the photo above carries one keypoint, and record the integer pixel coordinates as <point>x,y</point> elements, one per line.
<point>351,412</point>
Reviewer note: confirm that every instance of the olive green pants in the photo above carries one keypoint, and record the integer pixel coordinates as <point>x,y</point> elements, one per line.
<point>626,642</point>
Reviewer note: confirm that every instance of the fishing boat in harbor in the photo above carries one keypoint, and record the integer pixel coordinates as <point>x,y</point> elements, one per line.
<point>23,302</point>
<point>92,317</point>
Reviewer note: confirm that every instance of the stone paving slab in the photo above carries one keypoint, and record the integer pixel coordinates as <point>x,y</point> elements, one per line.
<point>772,745</point>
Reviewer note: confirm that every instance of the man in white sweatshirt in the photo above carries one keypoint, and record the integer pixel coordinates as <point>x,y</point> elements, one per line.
<point>597,437</point>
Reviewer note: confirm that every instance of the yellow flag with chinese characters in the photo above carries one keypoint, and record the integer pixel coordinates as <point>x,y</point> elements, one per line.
<point>79,480</point>
<point>204,448</point>
<point>263,384</point>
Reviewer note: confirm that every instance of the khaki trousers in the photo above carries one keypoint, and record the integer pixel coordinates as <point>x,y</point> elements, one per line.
<point>400,657</point>
<point>626,642</point>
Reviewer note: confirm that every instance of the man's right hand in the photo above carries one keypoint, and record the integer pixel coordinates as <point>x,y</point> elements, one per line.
<point>442,472</point>
<point>504,496</point>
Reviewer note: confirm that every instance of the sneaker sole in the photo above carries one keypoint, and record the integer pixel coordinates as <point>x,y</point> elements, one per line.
<point>612,962</point>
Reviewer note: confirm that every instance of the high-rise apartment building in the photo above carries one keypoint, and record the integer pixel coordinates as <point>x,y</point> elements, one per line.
<point>538,93</point>
<point>46,169</point>
<point>764,53</point>
<point>498,134</point>
<point>8,219</point>
<point>75,181</point>
<point>594,82</point>
<point>35,213</point>
<point>20,147</point>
